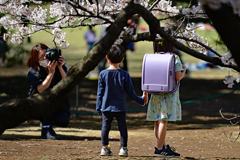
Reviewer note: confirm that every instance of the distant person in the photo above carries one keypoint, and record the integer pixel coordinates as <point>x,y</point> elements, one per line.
<point>90,38</point>
<point>132,26</point>
<point>44,74</point>
<point>113,84</point>
<point>207,65</point>
<point>3,50</point>
<point>3,47</point>
<point>210,65</point>
<point>165,107</point>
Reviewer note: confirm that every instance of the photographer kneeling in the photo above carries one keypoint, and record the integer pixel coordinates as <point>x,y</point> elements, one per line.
<point>46,69</point>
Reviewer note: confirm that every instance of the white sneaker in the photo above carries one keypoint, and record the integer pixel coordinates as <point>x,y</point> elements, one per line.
<point>123,151</point>
<point>106,151</point>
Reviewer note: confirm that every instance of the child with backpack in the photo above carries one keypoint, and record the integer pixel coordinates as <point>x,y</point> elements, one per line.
<point>113,84</point>
<point>165,107</point>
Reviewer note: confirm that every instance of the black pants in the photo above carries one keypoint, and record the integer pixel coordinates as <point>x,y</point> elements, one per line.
<point>60,118</point>
<point>107,118</point>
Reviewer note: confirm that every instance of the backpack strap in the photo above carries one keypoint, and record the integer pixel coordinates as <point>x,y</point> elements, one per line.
<point>176,88</point>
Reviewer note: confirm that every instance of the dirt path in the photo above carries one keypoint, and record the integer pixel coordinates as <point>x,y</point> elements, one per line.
<point>23,143</point>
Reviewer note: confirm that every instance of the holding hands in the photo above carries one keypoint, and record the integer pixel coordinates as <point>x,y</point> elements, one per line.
<point>145,97</point>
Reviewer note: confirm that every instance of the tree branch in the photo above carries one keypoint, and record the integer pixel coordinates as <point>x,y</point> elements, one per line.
<point>230,31</point>
<point>146,36</point>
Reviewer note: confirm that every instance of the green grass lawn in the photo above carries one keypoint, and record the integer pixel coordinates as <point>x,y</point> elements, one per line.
<point>78,49</point>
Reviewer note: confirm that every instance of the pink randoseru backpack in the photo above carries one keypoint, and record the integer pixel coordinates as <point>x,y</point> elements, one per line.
<point>158,73</point>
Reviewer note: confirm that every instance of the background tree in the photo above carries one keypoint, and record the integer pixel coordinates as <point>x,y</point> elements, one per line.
<point>53,16</point>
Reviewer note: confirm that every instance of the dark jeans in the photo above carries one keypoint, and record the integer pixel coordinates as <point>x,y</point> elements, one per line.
<point>107,118</point>
<point>3,56</point>
<point>90,46</point>
<point>59,118</point>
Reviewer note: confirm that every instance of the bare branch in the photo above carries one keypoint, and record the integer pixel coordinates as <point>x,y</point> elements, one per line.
<point>146,36</point>
<point>195,41</point>
<point>192,52</point>
<point>229,119</point>
<point>229,137</point>
<point>153,5</point>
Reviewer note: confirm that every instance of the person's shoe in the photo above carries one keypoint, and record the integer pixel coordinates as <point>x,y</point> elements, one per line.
<point>172,150</point>
<point>164,153</point>
<point>123,151</point>
<point>3,64</point>
<point>106,151</point>
<point>49,133</point>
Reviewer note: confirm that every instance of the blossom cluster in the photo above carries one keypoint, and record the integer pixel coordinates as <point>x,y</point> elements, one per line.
<point>190,34</point>
<point>227,59</point>
<point>194,10</point>
<point>59,37</point>
<point>165,6</point>
<point>229,80</point>
<point>62,14</point>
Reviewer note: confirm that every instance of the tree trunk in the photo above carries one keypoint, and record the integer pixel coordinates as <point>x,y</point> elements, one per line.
<point>228,26</point>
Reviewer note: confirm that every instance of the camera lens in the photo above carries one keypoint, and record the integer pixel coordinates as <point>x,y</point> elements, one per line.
<point>53,54</point>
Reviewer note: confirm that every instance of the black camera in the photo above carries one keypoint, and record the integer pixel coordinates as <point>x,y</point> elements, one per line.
<point>53,54</point>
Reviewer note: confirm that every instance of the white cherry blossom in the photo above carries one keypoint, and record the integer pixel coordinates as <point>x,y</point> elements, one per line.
<point>229,81</point>
<point>64,44</point>
<point>16,38</point>
<point>227,59</point>
<point>36,28</point>
<point>25,31</point>
<point>5,36</point>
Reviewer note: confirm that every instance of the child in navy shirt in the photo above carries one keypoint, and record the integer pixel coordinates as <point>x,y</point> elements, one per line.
<point>113,84</point>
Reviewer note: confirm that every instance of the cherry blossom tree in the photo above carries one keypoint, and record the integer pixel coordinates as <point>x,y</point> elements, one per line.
<point>22,18</point>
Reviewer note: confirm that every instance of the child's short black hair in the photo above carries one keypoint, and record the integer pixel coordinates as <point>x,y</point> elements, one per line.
<point>116,53</point>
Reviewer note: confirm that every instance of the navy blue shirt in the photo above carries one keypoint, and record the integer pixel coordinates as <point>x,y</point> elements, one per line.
<point>35,78</point>
<point>113,84</point>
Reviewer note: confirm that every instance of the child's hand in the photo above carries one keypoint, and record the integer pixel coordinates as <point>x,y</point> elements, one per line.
<point>145,96</point>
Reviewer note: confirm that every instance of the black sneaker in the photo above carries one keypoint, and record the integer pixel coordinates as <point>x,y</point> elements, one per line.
<point>164,153</point>
<point>49,133</point>
<point>172,150</point>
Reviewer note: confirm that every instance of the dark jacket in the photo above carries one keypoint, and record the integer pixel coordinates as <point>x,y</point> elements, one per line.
<point>35,79</point>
